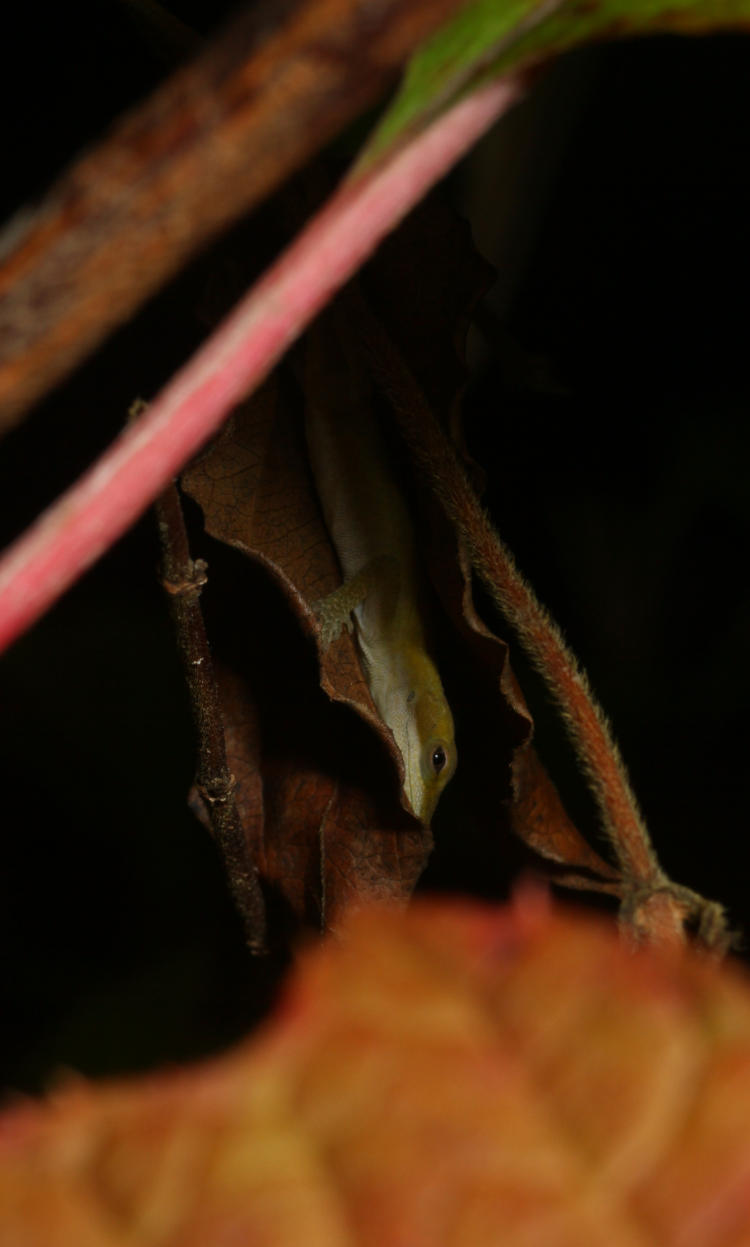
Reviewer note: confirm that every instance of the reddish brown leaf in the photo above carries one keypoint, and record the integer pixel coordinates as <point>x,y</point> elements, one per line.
<point>455,1076</point>
<point>321,821</point>
<point>318,795</point>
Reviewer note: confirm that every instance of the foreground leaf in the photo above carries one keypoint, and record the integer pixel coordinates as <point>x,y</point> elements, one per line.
<point>456,1075</point>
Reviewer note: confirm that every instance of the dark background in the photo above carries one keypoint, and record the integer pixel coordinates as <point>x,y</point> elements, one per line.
<point>609,406</point>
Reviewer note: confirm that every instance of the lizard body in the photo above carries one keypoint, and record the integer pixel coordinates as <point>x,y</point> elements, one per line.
<point>371,530</point>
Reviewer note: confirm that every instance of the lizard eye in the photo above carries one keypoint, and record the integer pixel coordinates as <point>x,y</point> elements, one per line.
<point>437,762</point>
<point>438,759</point>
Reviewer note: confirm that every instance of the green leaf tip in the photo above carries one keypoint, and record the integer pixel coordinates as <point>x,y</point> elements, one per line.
<point>489,38</point>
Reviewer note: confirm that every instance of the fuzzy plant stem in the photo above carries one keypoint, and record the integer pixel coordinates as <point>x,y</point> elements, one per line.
<point>102,505</point>
<point>653,906</point>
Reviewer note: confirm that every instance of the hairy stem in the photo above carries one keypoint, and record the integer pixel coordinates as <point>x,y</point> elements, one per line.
<point>652,905</point>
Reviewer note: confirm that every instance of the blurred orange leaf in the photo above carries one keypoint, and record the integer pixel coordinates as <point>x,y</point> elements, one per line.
<point>453,1075</point>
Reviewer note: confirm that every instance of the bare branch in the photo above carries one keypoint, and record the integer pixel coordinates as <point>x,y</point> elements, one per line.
<point>183,580</point>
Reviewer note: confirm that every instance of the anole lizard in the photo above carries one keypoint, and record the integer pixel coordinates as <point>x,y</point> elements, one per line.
<point>371,530</point>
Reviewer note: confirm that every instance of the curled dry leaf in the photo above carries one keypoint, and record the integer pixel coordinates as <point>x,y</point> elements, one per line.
<point>456,1076</point>
<point>319,805</point>
<point>319,797</point>
<point>535,811</point>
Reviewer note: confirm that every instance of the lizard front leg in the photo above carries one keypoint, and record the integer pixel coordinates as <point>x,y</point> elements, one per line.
<point>334,611</point>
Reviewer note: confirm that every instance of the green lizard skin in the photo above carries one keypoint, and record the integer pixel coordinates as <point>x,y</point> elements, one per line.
<point>371,530</point>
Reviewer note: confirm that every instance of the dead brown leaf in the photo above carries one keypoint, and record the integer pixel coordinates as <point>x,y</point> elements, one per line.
<point>319,796</point>
<point>318,793</point>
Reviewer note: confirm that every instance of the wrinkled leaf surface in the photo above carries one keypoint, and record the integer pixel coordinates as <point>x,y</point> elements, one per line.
<point>455,1076</point>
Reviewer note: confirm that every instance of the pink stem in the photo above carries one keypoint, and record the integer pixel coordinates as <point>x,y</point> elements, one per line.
<point>93,513</point>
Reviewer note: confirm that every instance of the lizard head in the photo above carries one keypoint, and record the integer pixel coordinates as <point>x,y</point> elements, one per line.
<point>409,695</point>
<point>430,751</point>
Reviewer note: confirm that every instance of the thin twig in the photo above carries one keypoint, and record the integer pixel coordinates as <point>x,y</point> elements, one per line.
<point>652,904</point>
<point>183,580</point>
<point>85,521</point>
